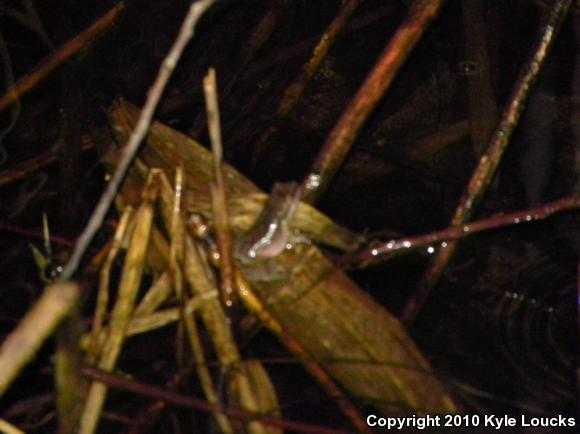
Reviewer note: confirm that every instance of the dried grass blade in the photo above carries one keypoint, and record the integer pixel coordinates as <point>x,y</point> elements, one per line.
<point>38,324</point>
<point>8,428</point>
<point>103,293</point>
<point>155,320</point>
<point>128,288</point>
<point>223,341</point>
<point>218,194</point>
<point>155,296</point>
<point>199,277</point>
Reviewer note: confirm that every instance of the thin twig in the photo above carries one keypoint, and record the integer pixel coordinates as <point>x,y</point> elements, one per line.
<point>489,162</point>
<point>386,250</point>
<point>61,241</point>
<point>28,167</point>
<point>38,324</point>
<point>186,32</point>
<point>341,138</point>
<point>293,92</point>
<point>305,46</point>
<point>27,18</point>
<point>8,428</point>
<point>223,232</point>
<point>198,404</point>
<point>260,35</point>
<point>15,111</point>
<point>68,50</point>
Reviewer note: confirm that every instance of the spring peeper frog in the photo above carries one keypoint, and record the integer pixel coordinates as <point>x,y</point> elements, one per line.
<point>271,233</point>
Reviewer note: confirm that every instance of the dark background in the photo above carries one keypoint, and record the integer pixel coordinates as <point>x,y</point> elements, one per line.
<point>500,329</point>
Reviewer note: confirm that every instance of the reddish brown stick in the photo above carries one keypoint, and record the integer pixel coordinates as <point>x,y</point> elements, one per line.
<point>199,404</point>
<point>368,96</point>
<point>68,50</point>
<point>386,250</point>
<point>489,162</point>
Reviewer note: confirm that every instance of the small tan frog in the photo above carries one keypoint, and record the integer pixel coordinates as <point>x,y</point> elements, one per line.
<point>271,233</point>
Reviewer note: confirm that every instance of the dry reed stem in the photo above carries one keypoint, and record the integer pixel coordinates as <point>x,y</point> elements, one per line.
<point>176,259</point>
<point>123,308</point>
<point>223,339</point>
<point>152,321</point>
<point>103,293</point>
<point>176,237</point>
<point>159,292</point>
<point>197,274</point>
<point>224,240</point>
<point>8,428</point>
<point>41,320</point>
<point>218,194</point>
<point>199,277</point>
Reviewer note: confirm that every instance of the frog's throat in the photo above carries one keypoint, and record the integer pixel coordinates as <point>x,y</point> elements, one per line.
<point>269,245</point>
